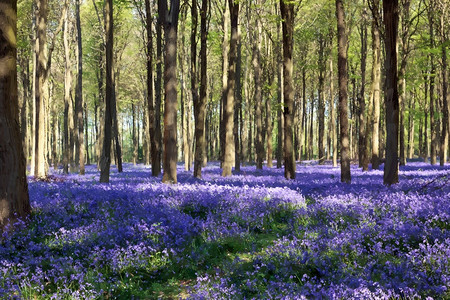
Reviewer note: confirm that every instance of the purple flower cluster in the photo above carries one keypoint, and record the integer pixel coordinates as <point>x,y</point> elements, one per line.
<point>312,237</point>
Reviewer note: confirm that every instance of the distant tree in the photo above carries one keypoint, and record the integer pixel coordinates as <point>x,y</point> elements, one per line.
<point>105,161</point>
<point>287,14</point>
<point>343,91</point>
<point>390,12</point>
<point>170,23</point>
<point>14,201</point>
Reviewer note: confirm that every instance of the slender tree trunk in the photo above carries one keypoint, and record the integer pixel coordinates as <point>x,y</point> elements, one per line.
<point>390,10</point>
<point>40,169</point>
<point>200,105</point>
<point>156,151</point>
<point>321,108</point>
<point>170,90</point>
<point>280,98</point>
<point>412,109</point>
<point>238,109</point>
<point>86,134</point>
<point>375,94</point>
<point>105,161</point>
<point>343,90</point>
<point>258,94</point>
<point>311,128</point>
<point>225,61</point>
<point>333,117</point>
<point>67,100</point>
<point>133,133</point>
<point>115,128</point>
<point>362,141</point>
<point>287,14</point>
<point>445,106</point>
<point>79,91</point>
<point>14,201</point>
<point>229,107</point>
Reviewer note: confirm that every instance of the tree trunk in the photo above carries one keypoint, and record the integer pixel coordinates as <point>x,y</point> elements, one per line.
<point>238,109</point>
<point>362,141</point>
<point>375,94</point>
<point>156,150</point>
<point>311,128</point>
<point>412,109</point>
<point>343,90</point>
<point>390,10</point>
<point>79,90</point>
<point>133,133</point>
<point>333,117</point>
<point>445,107</point>
<point>229,107</point>
<point>14,201</point>
<point>258,94</point>
<point>200,105</point>
<point>280,98</point>
<point>321,108</point>
<point>287,14</point>
<point>88,158</point>
<point>40,169</point>
<point>225,61</point>
<point>67,101</point>
<point>170,24</point>
<point>105,161</point>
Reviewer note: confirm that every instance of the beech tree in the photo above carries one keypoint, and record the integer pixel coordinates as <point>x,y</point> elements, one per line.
<point>14,201</point>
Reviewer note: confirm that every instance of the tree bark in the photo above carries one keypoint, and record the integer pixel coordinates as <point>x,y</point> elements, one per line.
<point>156,150</point>
<point>170,24</point>
<point>343,91</point>
<point>390,10</point>
<point>287,14</point>
<point>68,110</point>
<point>105,162</point>
<point>14,201</point>
<point>229,107</point>
<point>225,61</point>
<point>333,117</point>
<point>238,109</point>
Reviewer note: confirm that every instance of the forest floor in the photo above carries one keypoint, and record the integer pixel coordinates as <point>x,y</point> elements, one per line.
<point>251,235</point>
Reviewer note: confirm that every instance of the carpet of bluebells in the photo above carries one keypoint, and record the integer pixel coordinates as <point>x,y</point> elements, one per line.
<point>253,235</point>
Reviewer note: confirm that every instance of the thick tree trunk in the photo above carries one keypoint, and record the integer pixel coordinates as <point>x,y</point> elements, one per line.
<point>14,201</point>
<point>287,14</point>
<point>79,92</point>
<point>200,105</point>
<point>390,10</point>
<point>170,90</point>
<point>343,91</point>
<point>229,107</point>
<point>105,161</point>
<point>375,94</point>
